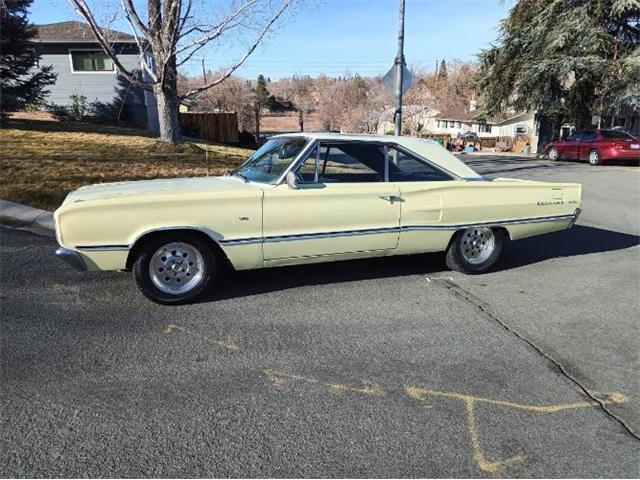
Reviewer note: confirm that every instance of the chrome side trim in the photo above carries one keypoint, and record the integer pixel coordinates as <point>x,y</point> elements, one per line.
<point>72,258</point>
<point>350,233</point>
<point>553,218</point>
<point>241,241</point>
<point>103,248</point>
<point>343,233</point>
<point>382,230</point>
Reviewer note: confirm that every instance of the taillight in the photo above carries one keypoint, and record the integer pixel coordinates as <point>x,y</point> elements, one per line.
<point>619,145</point>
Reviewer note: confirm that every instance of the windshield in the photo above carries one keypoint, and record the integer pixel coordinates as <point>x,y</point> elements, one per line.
<point>270,161</point>
<point>615,134</point>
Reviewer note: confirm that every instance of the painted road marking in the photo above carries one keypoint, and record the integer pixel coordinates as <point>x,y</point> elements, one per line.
<point>228,343</point>
<point>281,379</point>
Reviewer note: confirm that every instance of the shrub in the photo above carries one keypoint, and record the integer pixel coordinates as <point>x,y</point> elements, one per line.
<point>77,107</point>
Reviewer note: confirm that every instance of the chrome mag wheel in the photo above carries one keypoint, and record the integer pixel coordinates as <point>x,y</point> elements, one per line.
<point>477,244</point>
<point>176,268</point>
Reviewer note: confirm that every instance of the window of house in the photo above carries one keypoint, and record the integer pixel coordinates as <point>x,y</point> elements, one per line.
<point>620,121</point>
<point>459,124</point>
<point>90,61</point>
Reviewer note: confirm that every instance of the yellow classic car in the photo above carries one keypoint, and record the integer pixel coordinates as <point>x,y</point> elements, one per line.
<point>305,198</point>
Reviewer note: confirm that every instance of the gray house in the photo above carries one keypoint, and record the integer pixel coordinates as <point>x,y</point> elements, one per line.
<point>83,68</point>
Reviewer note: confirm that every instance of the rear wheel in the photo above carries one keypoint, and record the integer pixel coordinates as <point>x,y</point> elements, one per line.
<point>554,155</point>
<point>174,269</point>
<point>475,249</point>
<point>594,158</point>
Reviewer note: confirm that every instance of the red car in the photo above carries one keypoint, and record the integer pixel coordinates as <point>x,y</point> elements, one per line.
<point>596,146</point>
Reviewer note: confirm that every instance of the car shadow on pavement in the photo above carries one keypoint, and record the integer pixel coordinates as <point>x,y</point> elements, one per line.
<point>580,240</point>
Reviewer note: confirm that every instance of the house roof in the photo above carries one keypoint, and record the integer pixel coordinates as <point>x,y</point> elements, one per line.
<point>74,31</point>
<point>458,112</point>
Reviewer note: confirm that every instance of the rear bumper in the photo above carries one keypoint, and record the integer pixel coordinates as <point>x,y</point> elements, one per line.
<point>576,214</point>
<point>620,154</point>
<point>72,258</point>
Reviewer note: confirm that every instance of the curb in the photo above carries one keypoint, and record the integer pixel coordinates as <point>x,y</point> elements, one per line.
<point>23,217</point>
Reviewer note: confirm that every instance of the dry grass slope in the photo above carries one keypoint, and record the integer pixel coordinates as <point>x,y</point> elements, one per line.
<point>42,161</point>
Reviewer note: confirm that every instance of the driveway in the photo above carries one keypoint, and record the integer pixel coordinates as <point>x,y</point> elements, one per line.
<point>378,368</point>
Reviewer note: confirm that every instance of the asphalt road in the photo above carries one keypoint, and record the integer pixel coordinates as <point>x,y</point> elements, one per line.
<point>377,368</point>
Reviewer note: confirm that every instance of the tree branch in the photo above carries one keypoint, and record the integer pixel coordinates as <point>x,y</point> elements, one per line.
<point>228,73</point>
<point>219,29</point>
<point>132,15</point>
<point>84,10</point>
<point>141,49</point>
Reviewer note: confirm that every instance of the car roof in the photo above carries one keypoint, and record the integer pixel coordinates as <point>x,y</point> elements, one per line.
<point>428,149</point>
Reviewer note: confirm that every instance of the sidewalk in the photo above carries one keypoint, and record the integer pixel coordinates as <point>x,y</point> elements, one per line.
<point>23,217</point>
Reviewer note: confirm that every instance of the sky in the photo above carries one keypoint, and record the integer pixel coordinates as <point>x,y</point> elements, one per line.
<point>338,37</point>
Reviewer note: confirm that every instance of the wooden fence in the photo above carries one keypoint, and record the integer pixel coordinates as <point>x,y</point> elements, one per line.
<point>212,126</point>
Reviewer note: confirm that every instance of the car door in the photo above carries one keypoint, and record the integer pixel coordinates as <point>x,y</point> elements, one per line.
<point>340,204</point>
<point>586,143</point>
<point>569,148</point>
<point>424,190</point>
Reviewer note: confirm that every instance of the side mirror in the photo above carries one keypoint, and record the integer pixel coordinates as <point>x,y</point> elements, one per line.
<point>292,180</point>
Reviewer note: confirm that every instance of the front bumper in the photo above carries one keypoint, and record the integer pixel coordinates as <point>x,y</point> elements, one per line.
<point>72,258</point>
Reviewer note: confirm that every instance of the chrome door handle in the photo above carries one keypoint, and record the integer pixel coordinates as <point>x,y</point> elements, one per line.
<point>391,198</point>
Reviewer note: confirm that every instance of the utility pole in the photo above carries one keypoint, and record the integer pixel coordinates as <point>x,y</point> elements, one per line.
<point>399,71</point>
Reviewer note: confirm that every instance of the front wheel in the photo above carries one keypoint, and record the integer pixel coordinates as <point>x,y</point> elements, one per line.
<point>174,269</point>
<point>594,158</point>
<point>554,155</point>
<point>475,249</point>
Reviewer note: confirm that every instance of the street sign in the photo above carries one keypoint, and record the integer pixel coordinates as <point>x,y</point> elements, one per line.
<point>389,80</point>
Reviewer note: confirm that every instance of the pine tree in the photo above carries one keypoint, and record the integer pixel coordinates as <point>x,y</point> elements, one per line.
<point>565,59</point>
<point>262,94</point>
<point>22,83</point>
<point>442,72</point>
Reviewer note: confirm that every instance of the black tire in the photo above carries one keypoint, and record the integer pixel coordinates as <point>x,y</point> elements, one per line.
<point>456,259</point>
<point>143,278</point>
<point>554,155</point>
<point>594,158</point>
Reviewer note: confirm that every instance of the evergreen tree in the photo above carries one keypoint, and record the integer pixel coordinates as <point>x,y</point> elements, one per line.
<point>442,72</point>
<point>262,94</point>
<point>565,59</point>
<point>21,81</point>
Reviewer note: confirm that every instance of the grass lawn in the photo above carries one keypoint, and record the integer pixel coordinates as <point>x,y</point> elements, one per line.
<point>42,161</point>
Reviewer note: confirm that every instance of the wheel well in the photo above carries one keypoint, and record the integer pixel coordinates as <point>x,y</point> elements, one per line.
<point>140,243</point>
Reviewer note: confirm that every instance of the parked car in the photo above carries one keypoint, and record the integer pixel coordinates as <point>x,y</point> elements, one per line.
<point>596,146</point>
<point>306,198</point>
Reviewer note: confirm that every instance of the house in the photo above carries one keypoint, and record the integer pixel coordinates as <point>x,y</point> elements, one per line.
<point>452,121</point>
<point>84,69</point>
<point>459,120</point>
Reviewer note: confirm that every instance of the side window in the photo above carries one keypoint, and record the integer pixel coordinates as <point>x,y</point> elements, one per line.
<point>351,162</point>
<point>589,136</point>
<point>407,168</point>
<point>574,137</point>
<point>307,171</point>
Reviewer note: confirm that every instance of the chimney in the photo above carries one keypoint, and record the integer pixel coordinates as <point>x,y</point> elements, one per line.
<point>473,105</point>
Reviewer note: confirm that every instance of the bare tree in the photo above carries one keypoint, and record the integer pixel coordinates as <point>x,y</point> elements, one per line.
<point>303,97</point>
<point>169,33</point>
<point>235,94</point>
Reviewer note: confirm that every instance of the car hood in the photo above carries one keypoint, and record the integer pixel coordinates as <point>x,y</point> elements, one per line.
<point>144,188</point>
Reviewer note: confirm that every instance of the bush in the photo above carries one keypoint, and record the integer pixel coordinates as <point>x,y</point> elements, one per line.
<point>246,138</point>
<point>77,107</point>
